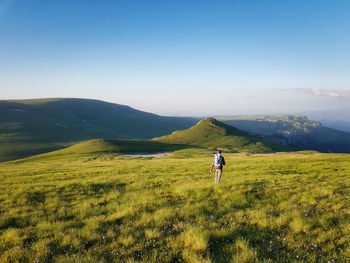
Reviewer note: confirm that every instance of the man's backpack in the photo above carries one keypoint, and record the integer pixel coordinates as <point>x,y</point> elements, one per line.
<point>218,160</point>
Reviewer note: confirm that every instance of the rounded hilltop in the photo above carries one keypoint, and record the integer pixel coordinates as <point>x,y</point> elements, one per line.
<point>209,121</point>
<point>121,146</point>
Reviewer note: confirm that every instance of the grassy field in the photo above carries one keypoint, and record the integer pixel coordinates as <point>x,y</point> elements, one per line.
<point>287,207</point>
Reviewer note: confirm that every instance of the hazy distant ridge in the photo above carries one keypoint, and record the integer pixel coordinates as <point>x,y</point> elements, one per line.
<point>295,130</point>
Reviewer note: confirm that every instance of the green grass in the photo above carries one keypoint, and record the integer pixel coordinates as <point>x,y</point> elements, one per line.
<point>93,207</point>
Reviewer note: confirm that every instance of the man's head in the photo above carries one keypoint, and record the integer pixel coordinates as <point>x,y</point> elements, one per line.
<point>219,151</point>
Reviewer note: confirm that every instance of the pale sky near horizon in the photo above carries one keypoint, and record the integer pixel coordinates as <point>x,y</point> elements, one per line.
<point>179,57</point>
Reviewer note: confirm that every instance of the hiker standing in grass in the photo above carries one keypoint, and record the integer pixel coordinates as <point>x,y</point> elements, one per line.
<point>217,164</point>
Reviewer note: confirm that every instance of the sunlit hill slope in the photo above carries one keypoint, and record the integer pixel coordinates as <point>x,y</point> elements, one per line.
<point>211,133</point>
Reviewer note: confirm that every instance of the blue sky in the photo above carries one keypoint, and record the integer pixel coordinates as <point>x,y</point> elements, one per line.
<point>179,57</point>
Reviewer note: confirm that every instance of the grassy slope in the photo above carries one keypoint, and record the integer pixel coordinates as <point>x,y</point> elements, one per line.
<point>104,146</point>
<point>34,126</point>
<point>100,208</point>
<point>214,134</point>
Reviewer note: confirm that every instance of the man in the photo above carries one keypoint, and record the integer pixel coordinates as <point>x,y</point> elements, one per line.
<point>217,164</point>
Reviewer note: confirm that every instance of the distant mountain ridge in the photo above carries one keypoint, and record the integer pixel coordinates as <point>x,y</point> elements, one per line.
<point>85,118</point>
<point>39,125</point>
<point>336,119</point>
<point>212,133</point>
<point>295,130</point>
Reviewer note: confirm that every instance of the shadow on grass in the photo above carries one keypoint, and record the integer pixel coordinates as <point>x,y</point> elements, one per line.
<point>72,191</point>
<point>100,188</point>
<point>36,197</point>
<point>263,245</point>
<point>14,222</point>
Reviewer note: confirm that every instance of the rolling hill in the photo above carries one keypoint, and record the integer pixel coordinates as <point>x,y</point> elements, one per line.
<point>295,130</point>
<point>211,133</point>
<point>122,146</point>
<point>35,126</point>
